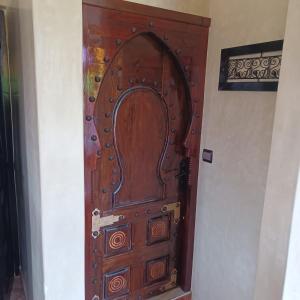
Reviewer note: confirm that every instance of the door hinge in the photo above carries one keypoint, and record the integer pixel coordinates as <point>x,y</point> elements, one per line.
<point>98,222</point>
<point>172,283</point>
<point>175,207</point>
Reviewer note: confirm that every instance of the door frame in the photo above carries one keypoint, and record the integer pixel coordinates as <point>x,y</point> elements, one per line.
<point>194,145</point>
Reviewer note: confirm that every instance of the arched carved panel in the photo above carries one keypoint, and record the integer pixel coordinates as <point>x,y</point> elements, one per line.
<point>140,137</point>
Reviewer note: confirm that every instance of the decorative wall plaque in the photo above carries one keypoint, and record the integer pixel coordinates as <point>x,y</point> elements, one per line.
<point>251,68</point>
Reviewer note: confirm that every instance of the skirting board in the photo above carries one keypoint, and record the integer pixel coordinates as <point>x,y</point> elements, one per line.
<point>176,294</point>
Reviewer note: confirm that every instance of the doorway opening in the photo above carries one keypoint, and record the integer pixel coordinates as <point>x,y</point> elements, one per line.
<point>9,245</point>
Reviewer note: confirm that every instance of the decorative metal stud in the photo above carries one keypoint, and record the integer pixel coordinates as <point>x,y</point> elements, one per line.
<point>111,100</point>
<point>106,130</point>
<point>95,265</point>
<point>88,118</point>
<point>133,29</point>
<point>98,153</point>
<point>173,130</point>
<point>95,251</point>
<point>96,297</point>
<point>111,158</point>
<point>143,80</point>
<point>97,78</point>
<point>131,81</point>
<point>94,281</point>
<point>119,88</point>
<point>178,51</point>
<point>151,24</point>
<point>107,145</point>
<point>104,191</point>
<point>118,42</point>
<point>95,234</point>
<point>94,138</point>
<point>193,131</point>
<point>92,99</point>
<point>107,115</point>
<point>106,59</point>
<point>155,83</point>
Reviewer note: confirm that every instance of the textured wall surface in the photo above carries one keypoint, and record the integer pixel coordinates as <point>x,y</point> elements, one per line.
<point>196,7</point>
<point>238,127</point>
<point>283,178</point>
<point>58,53</point>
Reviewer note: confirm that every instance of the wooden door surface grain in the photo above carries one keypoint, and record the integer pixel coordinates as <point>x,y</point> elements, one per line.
<point>143,93</point>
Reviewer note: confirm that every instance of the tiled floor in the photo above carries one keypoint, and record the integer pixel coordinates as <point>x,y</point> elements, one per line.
<point>17,291</point>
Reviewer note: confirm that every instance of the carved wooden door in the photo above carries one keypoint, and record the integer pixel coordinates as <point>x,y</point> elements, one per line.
<point>143,90</point>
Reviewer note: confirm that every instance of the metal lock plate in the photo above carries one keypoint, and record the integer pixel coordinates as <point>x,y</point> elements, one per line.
<point>175,207</point>
<point>172,283</point>
<point>98,222</point>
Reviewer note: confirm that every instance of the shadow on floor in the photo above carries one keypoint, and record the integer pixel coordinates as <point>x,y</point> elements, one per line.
<point>17,290</point>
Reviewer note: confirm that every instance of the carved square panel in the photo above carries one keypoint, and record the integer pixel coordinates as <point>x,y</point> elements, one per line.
<point>117,240</point>
<point>158,229</point>
<point>157,270</point>
<point>117,284</point>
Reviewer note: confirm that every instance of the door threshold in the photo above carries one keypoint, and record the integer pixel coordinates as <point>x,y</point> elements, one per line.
<point>175,294</point>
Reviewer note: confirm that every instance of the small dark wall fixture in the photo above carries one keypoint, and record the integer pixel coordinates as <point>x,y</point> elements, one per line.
<point>251,68</point>
<point>207,156</point>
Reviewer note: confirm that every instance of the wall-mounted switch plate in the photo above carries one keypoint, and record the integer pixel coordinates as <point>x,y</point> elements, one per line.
<point>207,155</point>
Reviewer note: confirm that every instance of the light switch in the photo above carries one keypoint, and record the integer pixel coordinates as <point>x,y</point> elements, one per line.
<point>207,155</point>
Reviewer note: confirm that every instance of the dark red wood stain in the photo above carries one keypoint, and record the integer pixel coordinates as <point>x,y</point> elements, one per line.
<point>143,90</point>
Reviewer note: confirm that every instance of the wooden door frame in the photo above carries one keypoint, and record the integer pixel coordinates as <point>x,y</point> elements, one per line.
<point>190,214</point>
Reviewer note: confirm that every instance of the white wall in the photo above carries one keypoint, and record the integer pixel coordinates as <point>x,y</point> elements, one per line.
<point>45,40</point>
<point>237,126</point>
<point>292,278</point>
<point>196,7</point>
<point>58,54</point>
<point>283,178</point>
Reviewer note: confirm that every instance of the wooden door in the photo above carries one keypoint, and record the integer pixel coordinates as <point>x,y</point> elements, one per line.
<point>143,90</point>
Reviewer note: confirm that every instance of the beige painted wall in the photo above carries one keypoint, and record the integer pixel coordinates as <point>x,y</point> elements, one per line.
<point>238,127</point>
<point>45,40</point>
<point>58,57</point>
<point>283,178</point>
<point>196,7</point>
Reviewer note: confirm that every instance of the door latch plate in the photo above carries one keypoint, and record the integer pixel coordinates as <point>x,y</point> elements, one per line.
<point>98,222</point>
<point>175,207</point>
<point>172,283</point>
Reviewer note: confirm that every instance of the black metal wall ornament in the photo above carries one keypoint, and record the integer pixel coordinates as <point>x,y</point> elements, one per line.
<point>251,68</point>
